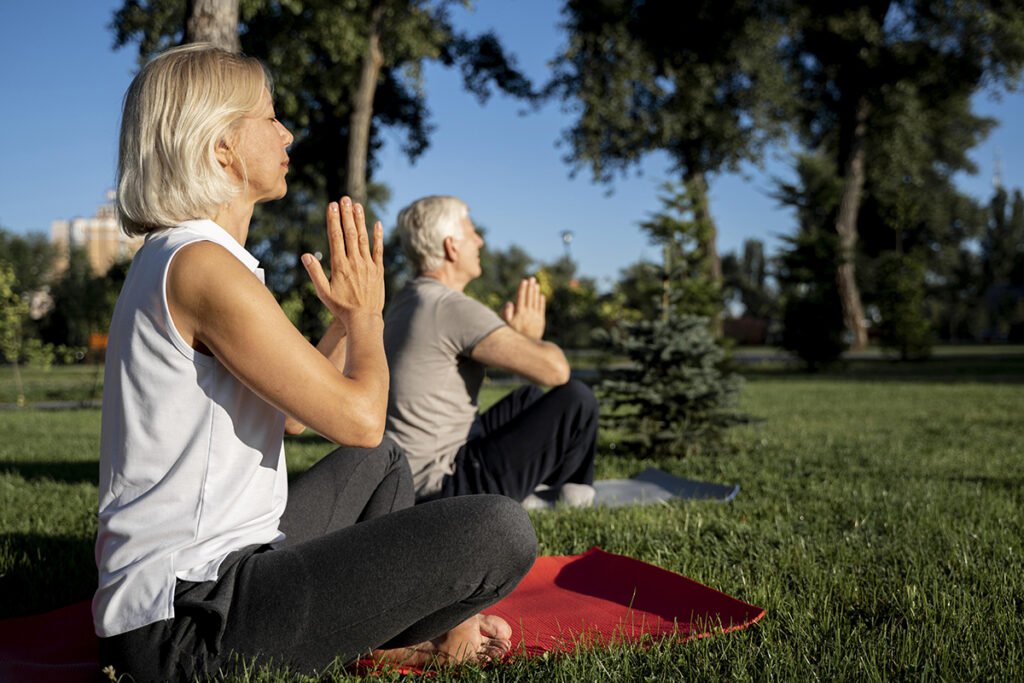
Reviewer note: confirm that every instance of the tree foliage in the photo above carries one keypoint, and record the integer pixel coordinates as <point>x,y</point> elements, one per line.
<point>676,395</point>
<point>82,302</point>
<point>501,272</point>
<point>573,311</point>
<point>31,258</point>
<point>18,341</point>
<point>683,231</point>
<point>812,323</point>
<point>13,312</point>
<point>315,51</point>
<point>702,86</point>
<point>886,84</point>
<point>1002,242</point>
<point>904,326</point>
<point>745,278</point>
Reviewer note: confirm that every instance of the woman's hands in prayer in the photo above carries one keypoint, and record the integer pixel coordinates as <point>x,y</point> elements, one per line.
<point>356,285</point>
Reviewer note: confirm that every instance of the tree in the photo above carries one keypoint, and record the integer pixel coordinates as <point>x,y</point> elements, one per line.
<point>342,74</point>
<point>684,231</point>
<point>30,256</point>
<point>637,293</point>
<point>1003,239</point>
<point>812,323</point>
<point>573,312</point>
<point>904,327</point>
<point>860,66</point>
<point>13,312</point>
<point>706,90</point>
<point>82,303</point>
<point>676,396</point>
<point>746,278</point>
<point>17,342</point>
<point>212,21</point>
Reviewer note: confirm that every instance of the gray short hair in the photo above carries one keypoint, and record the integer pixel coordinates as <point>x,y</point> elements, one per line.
<point>177,109</point>
<point>424,225</point>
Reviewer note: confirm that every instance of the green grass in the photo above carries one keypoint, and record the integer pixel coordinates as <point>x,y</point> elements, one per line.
<point>65,383</point>
<point>879,524</point>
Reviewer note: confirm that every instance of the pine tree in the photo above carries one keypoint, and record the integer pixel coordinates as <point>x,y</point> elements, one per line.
<point>904,326</point>
<point>676,396</point>
<point>812,318</point>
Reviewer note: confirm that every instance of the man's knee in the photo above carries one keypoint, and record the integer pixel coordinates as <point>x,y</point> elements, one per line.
<point>576,393</point>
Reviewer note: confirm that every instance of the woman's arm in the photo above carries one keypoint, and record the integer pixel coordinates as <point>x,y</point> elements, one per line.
<point>220,307</point>
<point>332,346</point>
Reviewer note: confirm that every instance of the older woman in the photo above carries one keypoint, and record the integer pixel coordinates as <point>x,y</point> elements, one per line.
<point>205,556</point>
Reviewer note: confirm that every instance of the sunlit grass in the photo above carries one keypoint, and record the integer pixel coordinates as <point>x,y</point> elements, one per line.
<point>878,523</point>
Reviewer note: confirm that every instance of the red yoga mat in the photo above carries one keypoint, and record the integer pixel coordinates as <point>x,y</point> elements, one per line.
<point>596,598</point>
<point>600,598</point>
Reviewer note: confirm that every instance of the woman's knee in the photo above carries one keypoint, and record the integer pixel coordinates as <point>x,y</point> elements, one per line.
<point>386,457</point>
<point>395,457</point>
<point>509,527</point>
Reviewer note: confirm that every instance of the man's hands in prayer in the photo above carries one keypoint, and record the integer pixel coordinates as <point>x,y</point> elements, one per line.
<point>526,315</point>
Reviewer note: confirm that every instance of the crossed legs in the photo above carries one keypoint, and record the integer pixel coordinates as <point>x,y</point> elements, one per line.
<point>361,571</point>
<point>530,438</point>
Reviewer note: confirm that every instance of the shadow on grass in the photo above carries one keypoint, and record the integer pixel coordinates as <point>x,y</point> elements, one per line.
<point>86,471</point>
<point>1008,369</point>
<point>42,573</point>
<point>1013,484</point>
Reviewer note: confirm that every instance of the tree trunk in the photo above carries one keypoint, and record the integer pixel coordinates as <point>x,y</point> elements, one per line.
<point>362,110</point>
<point>701,214</point>
<point>846,227</point>
<point>212,21</point>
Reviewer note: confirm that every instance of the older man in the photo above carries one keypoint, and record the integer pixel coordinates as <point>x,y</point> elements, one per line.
<point>438,342</point>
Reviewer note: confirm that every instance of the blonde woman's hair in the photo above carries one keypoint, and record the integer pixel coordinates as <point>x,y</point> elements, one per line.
<point>423,226</point>
<point>177,109</point>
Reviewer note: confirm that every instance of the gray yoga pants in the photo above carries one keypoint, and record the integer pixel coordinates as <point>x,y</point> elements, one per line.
<point>361,569</point>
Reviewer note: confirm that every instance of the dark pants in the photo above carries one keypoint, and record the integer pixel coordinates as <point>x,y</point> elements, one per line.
<point>361,569</point>
<point>530,438</point>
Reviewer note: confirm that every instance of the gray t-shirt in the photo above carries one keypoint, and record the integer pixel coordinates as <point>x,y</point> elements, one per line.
<point>430,331</point>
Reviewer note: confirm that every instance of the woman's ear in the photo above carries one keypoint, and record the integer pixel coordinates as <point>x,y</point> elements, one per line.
<point>224,154</point>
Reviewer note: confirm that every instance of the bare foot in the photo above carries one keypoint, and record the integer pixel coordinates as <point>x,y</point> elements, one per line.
<point>482,638</point>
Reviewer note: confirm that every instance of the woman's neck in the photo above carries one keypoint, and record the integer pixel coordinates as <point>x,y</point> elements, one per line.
<point>234,217</point>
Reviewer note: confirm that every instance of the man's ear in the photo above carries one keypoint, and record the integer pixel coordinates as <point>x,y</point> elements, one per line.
<point>450,250</point>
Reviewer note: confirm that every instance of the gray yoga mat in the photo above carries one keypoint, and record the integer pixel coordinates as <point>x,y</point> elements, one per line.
<point>651,486</point>
<point>654,486</point>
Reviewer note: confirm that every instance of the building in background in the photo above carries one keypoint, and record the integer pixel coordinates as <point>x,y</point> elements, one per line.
<point>100,236</point>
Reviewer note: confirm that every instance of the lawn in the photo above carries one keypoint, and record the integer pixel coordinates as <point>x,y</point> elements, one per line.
<point>879,524</point>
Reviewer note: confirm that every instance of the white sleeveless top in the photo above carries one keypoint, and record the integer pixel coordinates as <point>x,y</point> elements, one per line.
<point>191,461</point>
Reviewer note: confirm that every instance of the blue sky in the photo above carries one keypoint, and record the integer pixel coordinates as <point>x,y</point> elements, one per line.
<point>62,83</point>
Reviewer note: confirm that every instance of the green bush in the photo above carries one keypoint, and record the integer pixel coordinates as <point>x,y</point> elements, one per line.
<point>812,319</point>
<point>904,325</point>
<point>676,396</point>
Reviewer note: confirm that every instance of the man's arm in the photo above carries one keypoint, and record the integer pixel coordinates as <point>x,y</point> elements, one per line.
<point>519,347</point>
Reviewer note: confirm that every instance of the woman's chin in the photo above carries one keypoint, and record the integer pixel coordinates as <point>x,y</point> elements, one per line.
<point>269,197</point>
